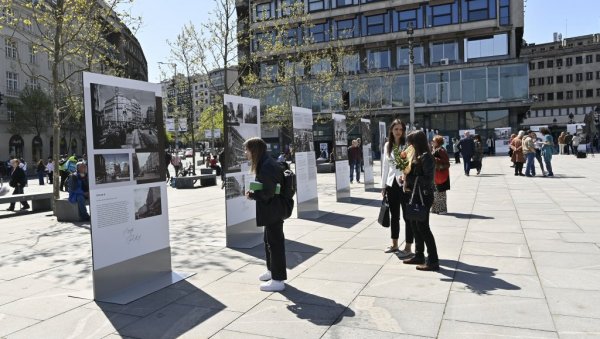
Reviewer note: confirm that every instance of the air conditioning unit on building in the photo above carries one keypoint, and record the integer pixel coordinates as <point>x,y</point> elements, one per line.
<point>444,61</point>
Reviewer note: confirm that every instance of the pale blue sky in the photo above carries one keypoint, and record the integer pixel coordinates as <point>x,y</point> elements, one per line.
<point>163,20</point>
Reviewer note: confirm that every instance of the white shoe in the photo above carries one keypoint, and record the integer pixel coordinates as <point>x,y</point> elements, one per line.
<point>265,276</point>
<point>272,286</point>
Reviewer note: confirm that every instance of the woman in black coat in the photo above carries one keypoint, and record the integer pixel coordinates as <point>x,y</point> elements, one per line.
<point>18,180</point>
<point>421,173</point>
<point>269,212</point>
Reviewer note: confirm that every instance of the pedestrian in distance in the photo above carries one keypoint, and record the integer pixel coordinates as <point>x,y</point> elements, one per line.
<point>269,212</point>
<point>441,176</point>
<point>466,147</point>
<point>176,162</point>
<point>518,158</point>
<point>354,158</point>
<point>561,143</point>
<point>391,187</point>
<point>455,150</point>
<point>50,170</point>
<point>41,171</point>
<point>547,149</point>
<point>167,163</point>
<point>79,190</point>
<point>421,178</point>
<point>62,170</point>
<point>537,144</point>
<point>18,180</point>
<point>477,158</point>
<point>529,153</point>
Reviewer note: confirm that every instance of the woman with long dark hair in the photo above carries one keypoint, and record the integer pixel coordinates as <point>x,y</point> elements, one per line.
<point>392,188</point>
<point>269,212</point>
<point>420,178</point>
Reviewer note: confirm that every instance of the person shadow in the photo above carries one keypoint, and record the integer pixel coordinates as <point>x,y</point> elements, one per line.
<point>318,310</point>
<point>480,280</point>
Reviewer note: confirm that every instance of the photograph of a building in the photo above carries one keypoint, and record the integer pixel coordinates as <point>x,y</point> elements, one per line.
<point>233,188</point>
<point>111,168</point>
<point>251,116</point>
<point>147,202</point>
<point>303,140</point>
<point>146,167</point>
<point>124,118</point>
<point>341,153</point>
<point>339,131</point>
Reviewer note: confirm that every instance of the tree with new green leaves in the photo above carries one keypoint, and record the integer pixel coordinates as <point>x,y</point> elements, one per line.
<point>32,111</point>
<point>73,34</point>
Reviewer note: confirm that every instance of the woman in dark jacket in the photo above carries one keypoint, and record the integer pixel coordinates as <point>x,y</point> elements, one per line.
<point>422,173</point>
<point>269,212</point>
<point>18,180</point>
<point>41,171</point>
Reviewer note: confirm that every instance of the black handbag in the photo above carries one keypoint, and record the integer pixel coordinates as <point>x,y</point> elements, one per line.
<point>384,213</point>
<point>416,211</point>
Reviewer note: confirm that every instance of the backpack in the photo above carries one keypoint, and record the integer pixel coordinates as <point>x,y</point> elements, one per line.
<point>288,189</point>
<point>71,166</point>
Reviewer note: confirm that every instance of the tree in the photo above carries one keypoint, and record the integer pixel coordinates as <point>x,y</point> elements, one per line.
<point>73,34</point>
<point>32,111</point>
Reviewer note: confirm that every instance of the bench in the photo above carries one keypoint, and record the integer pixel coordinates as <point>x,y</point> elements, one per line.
<point>206,171</point>
<point>39,201</point>
<point>188,181</point>
<point>326,167</point>
<point>66,210</point>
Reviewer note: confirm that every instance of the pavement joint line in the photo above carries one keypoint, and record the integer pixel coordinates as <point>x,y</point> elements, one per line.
<point>502,326</point>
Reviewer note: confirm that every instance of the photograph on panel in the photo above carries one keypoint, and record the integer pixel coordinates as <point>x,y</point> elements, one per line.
<point>123,118</point>
<point>111,168</point>
<point>147,202</point>
<point>303,140</point>
<point>146,167</point>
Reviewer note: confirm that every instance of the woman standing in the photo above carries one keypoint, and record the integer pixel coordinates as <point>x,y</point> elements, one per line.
<point>420,178</point>
<point>269,212</point>
<point>561,143</point>
<point>41,171</point>
<point>455,142</point>
<point>50,170</point>
<point>478,153</point>
<point>547,149</point>
<point>392,188</point>
<point>516,145</point>
<point>18,180</point>
<point>441,177</point>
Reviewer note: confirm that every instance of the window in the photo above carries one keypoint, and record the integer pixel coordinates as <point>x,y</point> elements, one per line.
<point>579,77</point>
<point>559,95</point>
<point>316,5</point>
<point>350,64</point>
<point>559,63</point>
<point>597,75</point>
<point>541,97</point>
<point>411,16</point>
<point>486,46</point>
<point>32,55</point>
<point>320,66</point>
<point>569,95</point>
<point>540,81</point>
<point>578,60</point>
<point>268,71</point>
<point>550,80</point>
<point>569,62</point>
<point>12,81</point>
<point>343,3</point>
<point>532,82</point>
<point>598,92</point>
<point>475,10</point>
<point>442,15</point>
<point>559,79</point>
<point>579,94</point>
<point>403,55</point>
<point>504,12</point>
<point>11,48</point>
<point>34,82</point>
<point>263,11</point>
<point>262,40</point>
<point>589,93</point>
<point>550,96</point>
<point>294,68</point>
<point>532,66</point>
<point>320,32</point>
<point>589,76</point>
<point>291,37</point>
<point>589,59</point>
<point>10,113</point>
<point>378,59</point>
<point>549,63</point>
<point>287,6</point>
<point>540,65</point>
<point>375,24</point>
<point>569,78</point>
<point>443,50</point>
<point>345,28</point>
<point>597,57</point>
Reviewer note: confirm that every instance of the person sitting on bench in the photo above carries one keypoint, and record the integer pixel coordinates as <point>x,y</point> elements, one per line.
<point>79,190</point>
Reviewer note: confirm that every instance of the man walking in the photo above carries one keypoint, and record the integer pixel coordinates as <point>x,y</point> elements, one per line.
<point>466,147</point>
<point>354,157</point>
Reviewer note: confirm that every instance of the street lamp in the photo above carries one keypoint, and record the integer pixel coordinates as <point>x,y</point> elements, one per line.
<point>411,76</point>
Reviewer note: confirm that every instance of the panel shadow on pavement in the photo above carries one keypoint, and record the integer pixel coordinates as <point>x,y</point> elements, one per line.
<point>296,252</point>
<point>467,216</point>
<point>167,313</point>
<point>310,307</point>
<point>340,220</point>
<point>363,201</point>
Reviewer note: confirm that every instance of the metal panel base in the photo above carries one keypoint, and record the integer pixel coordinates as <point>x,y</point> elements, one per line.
<point>309,209</point>
<point>244,235</point>
<point>343,195</point>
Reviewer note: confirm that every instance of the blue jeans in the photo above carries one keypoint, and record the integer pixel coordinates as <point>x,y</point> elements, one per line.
<point>530,169</point>
<point>83,214</point>
<point>355,166</point>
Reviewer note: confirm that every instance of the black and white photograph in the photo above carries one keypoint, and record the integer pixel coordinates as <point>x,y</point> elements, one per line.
<point>339,131</point>
<point>234,188</point>
<point>303,140</point>
<point>341,153</point>
<point>235,155</point>
<point>146,167</point>
<point>232,119</point>
<point>123,118</point>
<point>365,128</point>
<point>147,202</point>
<point>111,168</point>
<point>251,116</point>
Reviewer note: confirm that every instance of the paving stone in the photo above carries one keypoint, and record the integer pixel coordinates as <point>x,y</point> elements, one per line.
<point>498,284</point>
<point>452,329</point>
<point>576,303</point>
<point>493,264</point>
<point>10,324</point>
<point>581,261</point>
<point>576,327</point>
<point>429,287</point>
<point>496,237</point>
<point>496,249</point>
<point>225,295</point>
<point>580,279</point>
<point>342,332</point>
<point>562,247</point>
<point>349,255</point>
<point>339,271</point>
<point>226,334</point>
<point>43,305</point>
<point>319,292</point>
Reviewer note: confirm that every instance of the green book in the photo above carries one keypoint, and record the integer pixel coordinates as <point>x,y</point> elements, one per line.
<point>257,186</point>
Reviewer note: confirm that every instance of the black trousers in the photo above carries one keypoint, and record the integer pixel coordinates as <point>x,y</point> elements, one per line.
<point>63,178</point>
<point>275,251</point>
<point>395,200</point>
<point>518,168</point>
<point>457,157</point>
<point>18,190</point>
<point>424,237</point>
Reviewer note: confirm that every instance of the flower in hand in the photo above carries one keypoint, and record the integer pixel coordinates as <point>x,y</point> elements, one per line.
<point>399,158</point>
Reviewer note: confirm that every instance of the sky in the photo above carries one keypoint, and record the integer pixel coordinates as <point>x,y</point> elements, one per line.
<point>162,20</point>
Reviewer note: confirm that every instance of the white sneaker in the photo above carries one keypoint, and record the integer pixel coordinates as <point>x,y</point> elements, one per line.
<point>265,276</point>
<point>272,286</point>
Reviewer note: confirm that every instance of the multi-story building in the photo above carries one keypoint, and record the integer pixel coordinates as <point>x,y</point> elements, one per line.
<point>564,80</point>
<point>21,60</point>
<point>468,71</point>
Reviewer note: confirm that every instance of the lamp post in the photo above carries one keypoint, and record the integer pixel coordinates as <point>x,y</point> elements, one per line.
<point>176,123</point>
<point>411,76</point>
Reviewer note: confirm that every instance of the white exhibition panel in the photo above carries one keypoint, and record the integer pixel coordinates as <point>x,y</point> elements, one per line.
<point>342,168</point>
<point>128,218</point>
<point>342,175</point>
<point>502,135</point>
<point>306,165</point>
<point>366,152</point>
<point>382,137</point>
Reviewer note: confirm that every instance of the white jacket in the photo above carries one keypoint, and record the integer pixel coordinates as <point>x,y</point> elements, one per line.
<point>389,170</point>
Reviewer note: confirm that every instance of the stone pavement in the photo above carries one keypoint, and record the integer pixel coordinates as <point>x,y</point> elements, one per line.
<point>520,258</point>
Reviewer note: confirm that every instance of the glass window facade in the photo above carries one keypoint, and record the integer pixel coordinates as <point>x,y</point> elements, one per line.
<point>476,10</point>
<point>489,46</point>
<point>320,32</point>
<point>378,59</point>
<point>442,14</point>
<point>402,55</point>
<point>443,50</point>
<point>375,24</point>
<point>345,29</point>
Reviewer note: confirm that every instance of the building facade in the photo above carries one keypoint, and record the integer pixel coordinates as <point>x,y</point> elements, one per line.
<point>468,69</point>
<point>21,66</point>
<point>564,80</point>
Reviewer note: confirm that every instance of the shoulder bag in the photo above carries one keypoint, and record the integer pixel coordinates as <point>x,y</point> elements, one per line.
<point>384,213</point>
<point>416,211</point>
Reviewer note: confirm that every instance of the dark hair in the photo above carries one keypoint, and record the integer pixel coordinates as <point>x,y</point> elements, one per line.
<point>418,140</point>
<point>257,147</point>
<point>477,137</point>
<point>544,130</point>
<point>438,139</point>
<point>391,139</point>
